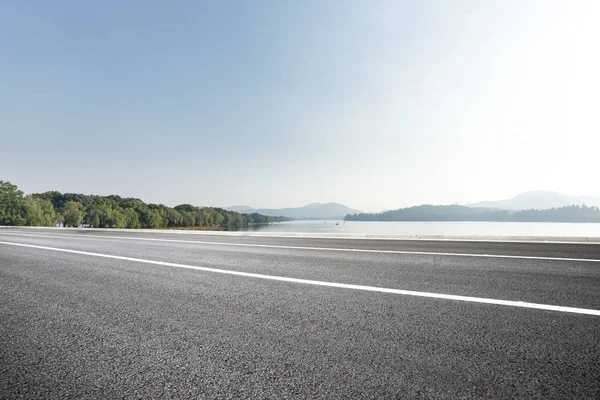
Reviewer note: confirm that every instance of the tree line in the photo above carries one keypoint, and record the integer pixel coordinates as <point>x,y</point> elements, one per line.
<point>73,209</point>
<point>574,213</point>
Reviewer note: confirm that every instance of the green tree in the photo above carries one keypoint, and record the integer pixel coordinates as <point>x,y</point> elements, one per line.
<point>54,197</point>
<point>106,215</point>
<point>73,213</point>
<point>140,208</point>
<point>206,218</point>
<point>187,218</point>
<point>174,218</point>
<point>31,212</point>
<point>227,222</point>
<point>48,213</point>
<point>72,209</point>
<point>119,219</point>
<point>59,219</point>
<point>11,204</point>
<point>92,217</point>
<point>238,221</point>
<point>131,218</point>
<point>155,220</point>
<point>186,207</point>
<point>38,212</point>
<point>217,219</point>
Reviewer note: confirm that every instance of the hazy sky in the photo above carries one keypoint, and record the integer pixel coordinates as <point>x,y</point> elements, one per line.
<point>374,104</point>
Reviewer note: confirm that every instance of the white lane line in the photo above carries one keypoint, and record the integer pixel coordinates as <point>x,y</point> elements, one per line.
<point>273,246</point>
<point>469,299</point>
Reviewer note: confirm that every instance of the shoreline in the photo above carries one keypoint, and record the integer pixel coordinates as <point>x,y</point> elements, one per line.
<point>349,236</point>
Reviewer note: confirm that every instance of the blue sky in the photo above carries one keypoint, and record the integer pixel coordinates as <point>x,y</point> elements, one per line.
<point>376,105</point>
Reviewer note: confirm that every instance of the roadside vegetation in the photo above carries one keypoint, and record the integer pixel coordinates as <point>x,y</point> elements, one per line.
<point>574,213</point>
<point>73,209</point>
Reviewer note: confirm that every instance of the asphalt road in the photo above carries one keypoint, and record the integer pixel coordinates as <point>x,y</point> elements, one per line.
<point>80,319</point>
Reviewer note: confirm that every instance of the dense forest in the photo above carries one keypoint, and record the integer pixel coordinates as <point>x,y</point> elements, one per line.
<point>72,209</point>
<point>573,213</point>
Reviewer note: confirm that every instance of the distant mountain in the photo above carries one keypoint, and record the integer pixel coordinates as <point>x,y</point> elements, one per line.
<point>539,200</point>
<point>309,211</point>
<point>426,212</point>
<point>241,209</point>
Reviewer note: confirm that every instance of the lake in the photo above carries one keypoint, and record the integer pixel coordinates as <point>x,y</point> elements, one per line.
<point>436,228</point>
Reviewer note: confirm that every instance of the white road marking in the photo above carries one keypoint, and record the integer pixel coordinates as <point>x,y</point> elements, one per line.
<point>274,246</point>
<point>484,300</point>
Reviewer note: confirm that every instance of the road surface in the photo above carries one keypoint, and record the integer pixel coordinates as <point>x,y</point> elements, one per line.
<point>109,314</point>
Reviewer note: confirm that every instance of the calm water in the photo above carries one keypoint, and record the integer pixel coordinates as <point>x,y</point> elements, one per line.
<point>436,228</point>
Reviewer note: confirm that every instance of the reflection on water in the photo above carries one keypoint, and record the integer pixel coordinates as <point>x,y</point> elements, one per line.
<point>436,228</point>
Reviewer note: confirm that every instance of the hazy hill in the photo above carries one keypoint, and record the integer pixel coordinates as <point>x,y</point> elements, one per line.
<point>539,200</point>
<point>309,211</point>
<point>464,213</point>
